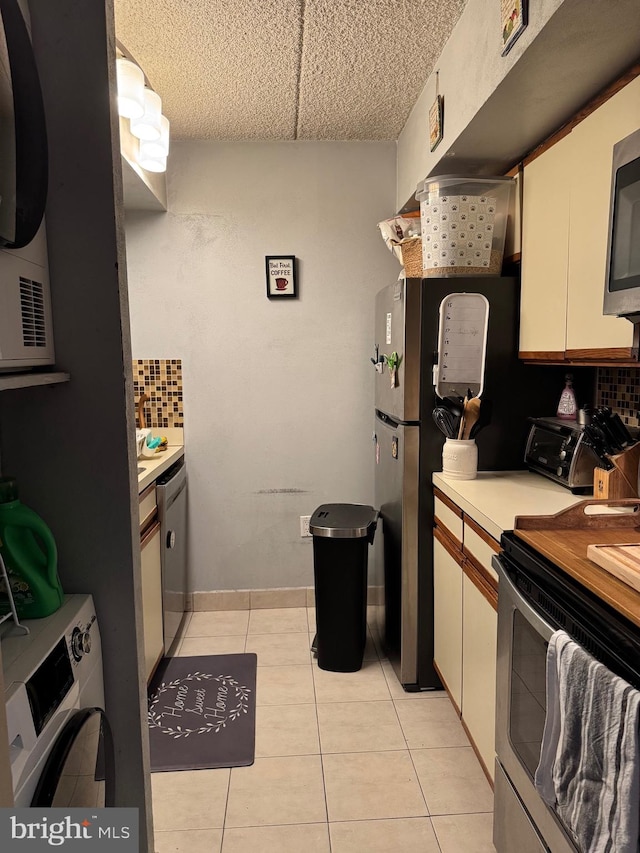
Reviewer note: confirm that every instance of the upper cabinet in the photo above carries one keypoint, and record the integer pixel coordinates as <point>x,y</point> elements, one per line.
<point>565,215</point>
<point>545,252</point>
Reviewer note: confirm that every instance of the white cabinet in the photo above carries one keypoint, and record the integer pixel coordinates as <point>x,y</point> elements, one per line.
<point>447,617</point>
<point>565,214</point>
<point>151,579</point>
<point>448,517</point>
<point>590,189</point>
<point>479,637</point>
<point>447,581</point>
<point>152,598</point>
<point>479,640</point>
<point>545,252</point>
<point>465,622</point>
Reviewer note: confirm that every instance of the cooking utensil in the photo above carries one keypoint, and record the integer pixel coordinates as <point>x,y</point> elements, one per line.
<point>619,427</point>
<point>141,418</point>
<point>484,418</point>
<point>463,418</point>
<point>471,415</point>
<point>445,421</point>
<point>594,438</point>
<point>454,404</point>
<point>602,420</point>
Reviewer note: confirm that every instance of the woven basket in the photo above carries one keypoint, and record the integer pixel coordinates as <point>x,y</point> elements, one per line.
<point>412,257</point>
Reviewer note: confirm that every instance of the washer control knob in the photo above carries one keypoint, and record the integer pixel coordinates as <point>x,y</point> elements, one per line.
<point>80,643</point>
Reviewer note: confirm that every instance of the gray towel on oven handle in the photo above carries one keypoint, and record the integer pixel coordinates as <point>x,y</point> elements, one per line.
<point>589,768</point>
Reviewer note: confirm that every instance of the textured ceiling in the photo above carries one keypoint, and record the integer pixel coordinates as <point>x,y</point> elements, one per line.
<point>286,69</point>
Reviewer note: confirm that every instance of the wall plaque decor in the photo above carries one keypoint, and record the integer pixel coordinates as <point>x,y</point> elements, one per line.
<point>281,276</point>
<point>513,18</point>
<point>436,117</point>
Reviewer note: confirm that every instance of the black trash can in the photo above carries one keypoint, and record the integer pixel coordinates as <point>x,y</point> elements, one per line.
<point>341,537</point>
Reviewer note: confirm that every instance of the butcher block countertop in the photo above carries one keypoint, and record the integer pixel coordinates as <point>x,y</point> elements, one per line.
<point>564,538</point>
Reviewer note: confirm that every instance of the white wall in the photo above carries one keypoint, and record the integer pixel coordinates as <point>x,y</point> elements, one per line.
<point>278,393</point>
<point>470,69</point>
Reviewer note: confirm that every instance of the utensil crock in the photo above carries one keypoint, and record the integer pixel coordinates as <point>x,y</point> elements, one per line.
<point>460,459</point>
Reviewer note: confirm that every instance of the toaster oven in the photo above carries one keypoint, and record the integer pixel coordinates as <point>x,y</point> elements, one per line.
<point>556,449</point>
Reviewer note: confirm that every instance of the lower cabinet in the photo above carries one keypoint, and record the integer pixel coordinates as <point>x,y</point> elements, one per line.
<point>151,577</point>
<point>447,616</point>
<point>466,625</point>
<point>151,598</point>
<point>480,626</point>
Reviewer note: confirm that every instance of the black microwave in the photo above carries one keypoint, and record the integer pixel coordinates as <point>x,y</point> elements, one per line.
<point>622,290</point>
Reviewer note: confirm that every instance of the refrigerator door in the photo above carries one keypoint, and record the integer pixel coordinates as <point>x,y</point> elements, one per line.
<point>396,552</point>
<point>397,330</point>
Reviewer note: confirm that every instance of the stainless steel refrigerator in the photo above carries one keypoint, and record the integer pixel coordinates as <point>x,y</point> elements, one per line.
<point>408,448</point>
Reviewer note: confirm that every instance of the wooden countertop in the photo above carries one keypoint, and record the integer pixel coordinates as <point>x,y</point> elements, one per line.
<point>566,547</point>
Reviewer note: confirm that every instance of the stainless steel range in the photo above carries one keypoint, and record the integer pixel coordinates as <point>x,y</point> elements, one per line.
<point>536,599</point>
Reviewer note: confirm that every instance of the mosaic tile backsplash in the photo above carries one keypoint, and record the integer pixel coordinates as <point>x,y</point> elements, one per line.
<point>619,388</point>
<point>161,380</point>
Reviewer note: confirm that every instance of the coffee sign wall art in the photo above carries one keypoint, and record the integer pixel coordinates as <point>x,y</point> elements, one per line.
<point>281,276</point>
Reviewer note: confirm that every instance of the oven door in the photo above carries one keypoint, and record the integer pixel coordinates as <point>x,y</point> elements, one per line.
<point>521,818</point>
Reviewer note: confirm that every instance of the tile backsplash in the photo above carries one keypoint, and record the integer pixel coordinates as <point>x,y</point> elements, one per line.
<point>619,388</point>
<point>161,380</point>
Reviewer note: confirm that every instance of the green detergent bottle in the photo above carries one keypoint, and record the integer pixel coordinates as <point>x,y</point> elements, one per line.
<point>29,552</point>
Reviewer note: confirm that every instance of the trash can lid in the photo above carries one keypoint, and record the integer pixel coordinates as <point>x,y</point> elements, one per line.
<point>343,521</point>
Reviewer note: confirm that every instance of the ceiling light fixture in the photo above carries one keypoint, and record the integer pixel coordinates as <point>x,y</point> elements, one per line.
<point>153,164</point>
<point>143,107</point>
<point>130,88</point>
<point>147,127</point>
<point>153,153</point>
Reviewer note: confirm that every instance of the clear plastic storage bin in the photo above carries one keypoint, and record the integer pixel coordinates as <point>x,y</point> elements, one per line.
<point>464,223</point>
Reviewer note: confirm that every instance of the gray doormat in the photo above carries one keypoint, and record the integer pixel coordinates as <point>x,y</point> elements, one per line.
<point>202,712</point>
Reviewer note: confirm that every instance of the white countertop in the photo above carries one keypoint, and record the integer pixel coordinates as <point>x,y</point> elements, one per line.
<point>495,498</point>
<point>158,465</point>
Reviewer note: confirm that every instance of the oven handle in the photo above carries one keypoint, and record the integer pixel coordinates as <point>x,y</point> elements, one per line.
<point>510,596</point>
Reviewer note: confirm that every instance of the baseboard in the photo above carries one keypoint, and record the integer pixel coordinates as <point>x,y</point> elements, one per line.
<point>252,599</point>
<point>257,599</point>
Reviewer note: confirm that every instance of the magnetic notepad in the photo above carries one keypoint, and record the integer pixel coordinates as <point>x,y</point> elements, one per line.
<point>462,345</point>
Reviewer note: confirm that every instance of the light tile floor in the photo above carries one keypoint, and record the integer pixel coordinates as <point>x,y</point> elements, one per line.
<point>345,762</point>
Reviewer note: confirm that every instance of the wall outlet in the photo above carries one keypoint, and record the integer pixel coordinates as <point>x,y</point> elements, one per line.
<point>304,525</point>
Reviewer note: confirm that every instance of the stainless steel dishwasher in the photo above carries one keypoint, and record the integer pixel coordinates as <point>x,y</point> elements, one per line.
<point>172,509</point>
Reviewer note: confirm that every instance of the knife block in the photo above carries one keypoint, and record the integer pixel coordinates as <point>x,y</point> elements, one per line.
<point>622,480</point>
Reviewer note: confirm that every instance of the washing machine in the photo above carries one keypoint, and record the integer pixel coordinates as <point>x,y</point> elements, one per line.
<point>60,743</point>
